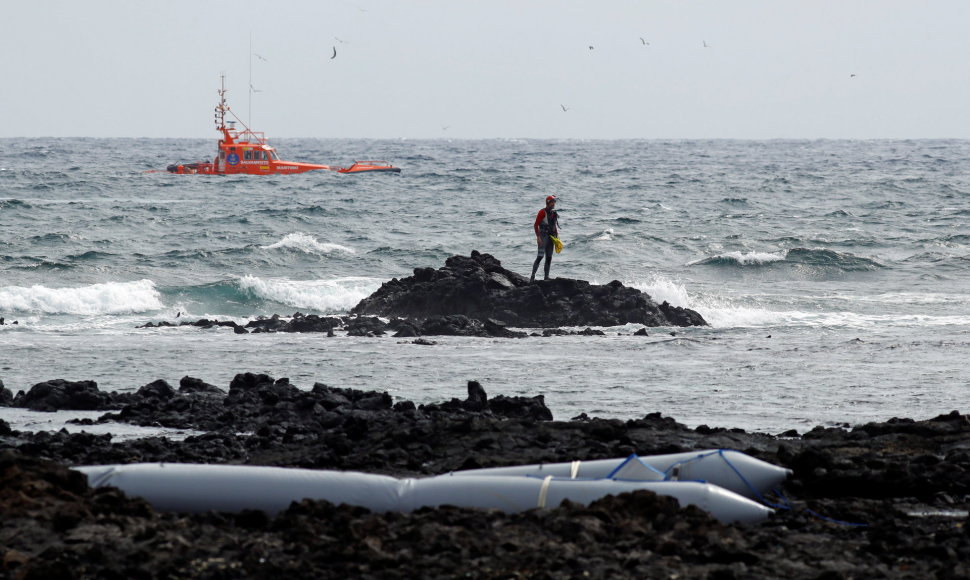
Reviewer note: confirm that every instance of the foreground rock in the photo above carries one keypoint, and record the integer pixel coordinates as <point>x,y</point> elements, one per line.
<point>878,474</point>
<point>479,287</point>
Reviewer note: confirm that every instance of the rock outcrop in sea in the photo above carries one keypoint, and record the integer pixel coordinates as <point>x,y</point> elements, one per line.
<point>479,288</point>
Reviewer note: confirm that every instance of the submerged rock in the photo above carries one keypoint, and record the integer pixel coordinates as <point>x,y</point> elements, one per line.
<point>478,287</point>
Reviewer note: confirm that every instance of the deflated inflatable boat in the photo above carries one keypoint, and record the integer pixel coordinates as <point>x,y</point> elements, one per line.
<point>199,487</point>
<point>732,470</point>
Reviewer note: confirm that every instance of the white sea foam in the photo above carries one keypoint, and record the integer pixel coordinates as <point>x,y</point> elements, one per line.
<point>663,289</point>
<point>307,243</point>
<point>605,236</point>
<point>744,258</point>
<point>337,295</point>
<point>107,298</point>
<point>722,314</point>
<point>718,312</point>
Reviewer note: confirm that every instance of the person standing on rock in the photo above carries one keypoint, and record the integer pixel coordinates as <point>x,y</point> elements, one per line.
<point>546,227</point>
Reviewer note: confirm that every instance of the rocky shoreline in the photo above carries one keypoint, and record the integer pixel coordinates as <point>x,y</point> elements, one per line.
<point>886,500</point>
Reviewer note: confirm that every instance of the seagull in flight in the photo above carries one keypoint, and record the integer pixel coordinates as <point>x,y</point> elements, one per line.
<point>259,57</point>
<point>852,76</point>
<point>340,41</point>
<point>334,53</point>
<point>591,47</point>
<point>705,44</point>
<point>563,108</point>
<point>644,42</point>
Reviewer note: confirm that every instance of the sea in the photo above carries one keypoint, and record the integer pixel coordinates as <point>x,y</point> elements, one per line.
<point>835,275</point>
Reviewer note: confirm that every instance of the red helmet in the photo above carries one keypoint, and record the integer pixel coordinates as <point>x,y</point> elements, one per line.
<point>550,198</point>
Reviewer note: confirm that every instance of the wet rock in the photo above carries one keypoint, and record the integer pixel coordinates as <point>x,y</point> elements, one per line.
<point>192,385</point>
<point>59,394</point>
<point>158,389</point>
<point>6,396</point>
<point>366,326</point>
<point>478,287</point>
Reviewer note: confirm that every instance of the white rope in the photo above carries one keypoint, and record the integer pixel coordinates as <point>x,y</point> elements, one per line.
<point>543,491</point>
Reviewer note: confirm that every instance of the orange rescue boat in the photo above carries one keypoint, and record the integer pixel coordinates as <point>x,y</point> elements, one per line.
<point>248,152</point>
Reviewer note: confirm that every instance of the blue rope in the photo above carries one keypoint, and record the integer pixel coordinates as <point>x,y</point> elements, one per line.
<point>814,513</point>
<point>786,505</point>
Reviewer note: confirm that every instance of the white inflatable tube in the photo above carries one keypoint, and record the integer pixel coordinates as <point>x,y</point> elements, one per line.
<point>186,487</point>
<point>732,470</point>
<point>518,493</point>
<point>200,488</point>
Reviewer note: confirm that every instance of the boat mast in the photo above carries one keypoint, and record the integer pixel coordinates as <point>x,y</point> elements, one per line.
<point>221,108</point>
<point>249,117</point>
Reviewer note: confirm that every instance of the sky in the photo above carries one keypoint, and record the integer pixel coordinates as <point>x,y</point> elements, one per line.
<point>561,69</point>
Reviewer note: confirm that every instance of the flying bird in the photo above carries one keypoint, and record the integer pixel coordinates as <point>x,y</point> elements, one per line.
<point>851,76</point>
<point>563,107</point>
<point>334,53</point>
<point>705,44</point>
<point>644,42</point>
<point>259,57</point>
<point>340,41</point>
<point>591,47</point>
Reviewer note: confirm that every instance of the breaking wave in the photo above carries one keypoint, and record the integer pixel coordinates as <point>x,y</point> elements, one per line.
<point>107,298</point>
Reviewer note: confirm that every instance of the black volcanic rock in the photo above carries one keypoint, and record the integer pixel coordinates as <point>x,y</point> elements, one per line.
<point>478,287</point>
<point>57,394</point>
<point>905,479</point>
<point>6,396</point>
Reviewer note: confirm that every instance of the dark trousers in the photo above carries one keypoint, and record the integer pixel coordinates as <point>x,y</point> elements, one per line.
<point>545,251</point>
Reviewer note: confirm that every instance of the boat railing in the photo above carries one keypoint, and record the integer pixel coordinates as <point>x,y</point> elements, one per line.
<point>249,136</point>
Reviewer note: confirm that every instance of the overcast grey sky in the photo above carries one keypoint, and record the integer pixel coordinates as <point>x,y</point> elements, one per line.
<point>483,69</point>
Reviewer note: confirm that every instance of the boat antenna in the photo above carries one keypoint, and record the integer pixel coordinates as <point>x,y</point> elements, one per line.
<point>221,107</point>
<point>250,116</point>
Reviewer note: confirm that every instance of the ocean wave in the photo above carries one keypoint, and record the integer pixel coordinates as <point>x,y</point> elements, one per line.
<point>661,289</point>
<point>90,255</point>
<point>330,296</point>
<point>14,204</point>
<point>626,220</point>
<point>796,256</point>
<point>106,298</point>
<point>766,311</point>
<point>842,260</point>
<point>957,239</point>
<point>54,238</point>
<point>717,311</point>
<point>839,213</point>
<point>604,236</point>
<point>308,244</point>
<point>740,259</point>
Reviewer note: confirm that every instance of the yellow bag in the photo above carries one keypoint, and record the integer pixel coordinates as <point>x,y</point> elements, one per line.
<point>556,243</point>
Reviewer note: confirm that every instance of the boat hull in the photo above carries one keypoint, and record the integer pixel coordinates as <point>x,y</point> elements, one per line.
<point>369,167</point>
<point>281,168</point>
<point>233,488</point>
